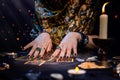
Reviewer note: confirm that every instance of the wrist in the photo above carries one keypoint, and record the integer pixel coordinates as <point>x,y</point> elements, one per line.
<point>84,40</point>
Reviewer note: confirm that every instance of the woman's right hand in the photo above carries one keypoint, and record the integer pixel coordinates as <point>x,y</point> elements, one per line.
<point>40,45</point>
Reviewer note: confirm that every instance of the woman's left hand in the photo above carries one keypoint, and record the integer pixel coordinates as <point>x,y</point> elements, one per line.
<point>68,45</point>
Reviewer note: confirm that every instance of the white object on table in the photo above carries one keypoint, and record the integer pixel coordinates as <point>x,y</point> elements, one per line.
<point>56,76</point>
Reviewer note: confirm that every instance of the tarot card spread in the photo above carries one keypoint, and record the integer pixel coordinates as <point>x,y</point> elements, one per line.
<point>45,59</point>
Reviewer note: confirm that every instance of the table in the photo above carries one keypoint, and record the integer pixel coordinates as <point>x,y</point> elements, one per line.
<point>19,71</point>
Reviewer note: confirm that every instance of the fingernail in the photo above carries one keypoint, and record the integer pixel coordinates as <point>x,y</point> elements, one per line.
<point>39,56</point>
<point>28,56</point>
<point>48,51</point>
<point>31,57</point>
<point>52,56</point>
<point>72,55</point>
<point>75,54</point>
<point>67,57</point>
<point>60,57</point>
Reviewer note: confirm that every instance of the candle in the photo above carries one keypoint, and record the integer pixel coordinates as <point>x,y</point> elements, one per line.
<point>103,23</point>
<point>76,71</point>
<point>76,74</point>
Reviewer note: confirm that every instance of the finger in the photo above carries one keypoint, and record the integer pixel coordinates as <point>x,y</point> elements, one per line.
<point>75,49</point>
<point>42,51</point>
<point>69,49</point>
<point>57,51</point>
<point>55,54</point>
<point>28,45</point>
<point>63,51</point>
<point>49,47</point>
<point>36,54</point>
<point>32,50</point>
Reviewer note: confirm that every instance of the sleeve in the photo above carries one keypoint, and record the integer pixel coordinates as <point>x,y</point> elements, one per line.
<point>81,15</point>
<point>87,14</point>
<point>40,14</point>
<point>36,29</point>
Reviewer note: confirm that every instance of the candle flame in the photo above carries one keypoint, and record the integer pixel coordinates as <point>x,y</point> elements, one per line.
<point>76,69</point>
<point>103,8</point>
<point>13,53</point>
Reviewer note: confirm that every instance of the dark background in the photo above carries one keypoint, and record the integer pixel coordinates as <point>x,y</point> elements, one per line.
<point>15,24</point>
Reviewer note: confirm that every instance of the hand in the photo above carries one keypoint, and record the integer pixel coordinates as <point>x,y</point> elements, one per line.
<point>68,45</point>
<point>40,45</point>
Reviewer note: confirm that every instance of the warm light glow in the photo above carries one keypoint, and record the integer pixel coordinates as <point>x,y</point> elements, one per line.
<point>116,16</point>
<point>17,38</point>
<point>103,8</point>
<point>12,53</point>
<point>76,69</point>
<point>72,60</point>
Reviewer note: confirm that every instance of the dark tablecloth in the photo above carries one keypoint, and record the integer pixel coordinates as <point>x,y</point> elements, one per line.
<point>19,71</point>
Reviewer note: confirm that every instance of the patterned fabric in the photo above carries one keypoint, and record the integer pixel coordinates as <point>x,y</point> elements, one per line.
<point>76,15</point>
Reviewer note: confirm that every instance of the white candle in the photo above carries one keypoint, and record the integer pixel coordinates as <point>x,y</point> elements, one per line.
<point>76,71</point>
<point>103,24</point>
